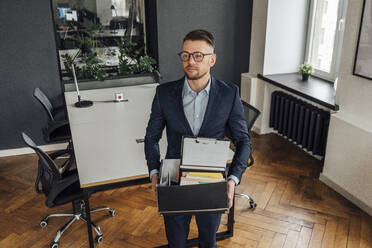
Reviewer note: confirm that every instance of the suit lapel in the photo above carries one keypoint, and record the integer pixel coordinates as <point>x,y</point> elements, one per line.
<point>176,101</point>
<point>211,107</point>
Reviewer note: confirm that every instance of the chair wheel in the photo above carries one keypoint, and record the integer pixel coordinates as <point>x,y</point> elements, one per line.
<point>112,213</point>
<point>43,223</point>
<point>253,205</point>
<point>99,239</point>
<point>54,245</point>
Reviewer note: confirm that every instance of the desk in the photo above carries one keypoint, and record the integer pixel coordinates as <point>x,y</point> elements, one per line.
<point>104,137</point>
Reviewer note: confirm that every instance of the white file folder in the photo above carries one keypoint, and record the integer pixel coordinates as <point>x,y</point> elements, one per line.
<point>204,153</point>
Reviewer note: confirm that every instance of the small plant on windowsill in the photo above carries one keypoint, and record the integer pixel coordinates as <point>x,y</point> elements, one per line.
<point>305,69</point>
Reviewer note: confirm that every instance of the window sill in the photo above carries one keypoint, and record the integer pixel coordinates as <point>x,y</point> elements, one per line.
<point>315,89</point>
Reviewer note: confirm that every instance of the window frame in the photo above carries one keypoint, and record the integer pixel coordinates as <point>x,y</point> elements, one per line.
<point>337,46</point>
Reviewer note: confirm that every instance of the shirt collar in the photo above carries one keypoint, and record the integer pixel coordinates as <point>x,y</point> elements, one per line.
<point>187,89</point>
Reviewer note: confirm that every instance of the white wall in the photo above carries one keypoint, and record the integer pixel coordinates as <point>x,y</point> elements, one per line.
<point>354,94</point>
<point>285,35</point>
<point>348,161</point>
<point>277,46</point>
<point>258,37</point>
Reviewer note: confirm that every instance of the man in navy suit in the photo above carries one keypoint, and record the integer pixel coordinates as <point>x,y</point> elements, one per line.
<point>196,105</point>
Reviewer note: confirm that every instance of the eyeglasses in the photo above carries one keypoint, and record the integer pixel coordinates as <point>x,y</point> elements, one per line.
<point>197,56</point>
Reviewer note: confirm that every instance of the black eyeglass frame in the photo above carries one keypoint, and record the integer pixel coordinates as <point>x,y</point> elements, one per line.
<point>192,54</point>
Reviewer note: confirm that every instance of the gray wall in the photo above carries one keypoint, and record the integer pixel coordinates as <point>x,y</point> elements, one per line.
<point>228,20</point>
<point>28,60</point>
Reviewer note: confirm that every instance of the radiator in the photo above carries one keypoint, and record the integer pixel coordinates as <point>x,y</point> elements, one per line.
<point>299,121</point>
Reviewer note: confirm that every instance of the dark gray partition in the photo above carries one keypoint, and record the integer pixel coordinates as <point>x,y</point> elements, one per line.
<point>229,21</point>
<point>29,59</point>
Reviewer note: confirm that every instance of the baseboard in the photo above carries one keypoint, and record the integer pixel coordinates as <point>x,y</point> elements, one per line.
<point>26,150</point>
<point>257,130</point>
<point>345,194</point>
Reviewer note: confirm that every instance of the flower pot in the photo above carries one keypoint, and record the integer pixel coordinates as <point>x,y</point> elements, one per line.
<point>305,76</point>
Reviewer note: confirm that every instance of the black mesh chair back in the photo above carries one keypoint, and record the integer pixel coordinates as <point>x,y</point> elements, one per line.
<point>43,99</point>
<point>47,173</point>
<point>57,128</point>
<point>251,114</point>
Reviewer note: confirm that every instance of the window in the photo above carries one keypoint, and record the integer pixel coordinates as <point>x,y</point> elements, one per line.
<point>325,34</point>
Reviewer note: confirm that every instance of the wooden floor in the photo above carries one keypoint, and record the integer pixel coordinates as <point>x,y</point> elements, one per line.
<point>294,208</point>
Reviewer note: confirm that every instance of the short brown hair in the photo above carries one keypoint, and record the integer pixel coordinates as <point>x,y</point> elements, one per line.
<point>200,34</point>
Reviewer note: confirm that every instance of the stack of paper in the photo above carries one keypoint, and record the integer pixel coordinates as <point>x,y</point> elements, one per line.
<point>201,177</point>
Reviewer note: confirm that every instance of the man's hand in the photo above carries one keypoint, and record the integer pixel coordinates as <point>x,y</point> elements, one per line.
<point>230,192</point>
<point>154,181</point>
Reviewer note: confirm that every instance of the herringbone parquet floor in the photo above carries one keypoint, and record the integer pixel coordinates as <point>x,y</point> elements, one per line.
<point>294,208</point>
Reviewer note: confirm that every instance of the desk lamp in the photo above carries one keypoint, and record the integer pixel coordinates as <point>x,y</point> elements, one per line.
<point>79,103</point>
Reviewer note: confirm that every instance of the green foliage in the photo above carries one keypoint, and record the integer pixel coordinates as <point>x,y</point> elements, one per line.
<point>84,42</point>
<point>89,65</point>
<point>90,68</point>
<point>145,64</point>
<point>306,68</point>
<point>130,62</point>
<point>127,52</point>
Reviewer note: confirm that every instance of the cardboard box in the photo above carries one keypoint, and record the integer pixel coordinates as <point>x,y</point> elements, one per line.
<point>198,154</point>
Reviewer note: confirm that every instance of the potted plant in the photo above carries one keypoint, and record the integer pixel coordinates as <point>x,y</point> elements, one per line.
<point>305,69</point>
<point>90,67</point>
<point>131,62</point>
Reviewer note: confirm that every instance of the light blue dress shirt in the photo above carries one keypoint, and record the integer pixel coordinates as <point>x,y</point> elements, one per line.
<point>194,106</point>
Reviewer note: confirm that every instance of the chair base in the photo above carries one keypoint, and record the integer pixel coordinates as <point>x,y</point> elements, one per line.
<point>252,204</point>
<point>79,213</point>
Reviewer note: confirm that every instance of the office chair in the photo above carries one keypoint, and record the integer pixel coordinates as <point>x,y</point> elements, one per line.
<point>57,128</point>
<point>61,189</point>
<point>251,114</point>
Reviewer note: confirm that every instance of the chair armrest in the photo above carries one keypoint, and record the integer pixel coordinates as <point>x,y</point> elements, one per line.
<point>233,148</point>
<point>58,109</point>
<point>54,125</point>
<point>59,113</point>
<point>57,154</point>
<point>60,186</point>
<point>57,129</point>
<point>66,165</point>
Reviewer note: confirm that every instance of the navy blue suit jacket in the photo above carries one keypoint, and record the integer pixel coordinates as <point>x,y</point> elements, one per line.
<point>224,114</point>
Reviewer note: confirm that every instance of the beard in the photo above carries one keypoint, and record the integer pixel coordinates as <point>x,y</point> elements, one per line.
<point>195,77</point>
